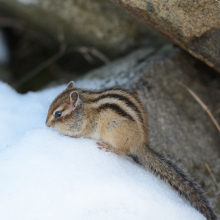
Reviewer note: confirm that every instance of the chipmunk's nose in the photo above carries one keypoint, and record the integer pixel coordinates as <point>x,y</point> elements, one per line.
<point>48,123</point>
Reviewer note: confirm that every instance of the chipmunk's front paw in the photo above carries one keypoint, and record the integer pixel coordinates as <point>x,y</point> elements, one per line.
<point>104,145</point>
<point>73,136</point>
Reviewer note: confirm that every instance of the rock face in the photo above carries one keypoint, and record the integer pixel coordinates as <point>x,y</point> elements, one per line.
<point>194,25</point>
<point>97,23</point>
<point>178,126</point>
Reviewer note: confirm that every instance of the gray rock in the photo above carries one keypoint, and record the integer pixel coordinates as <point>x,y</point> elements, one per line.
<point>97,23</point>
<point>193,25</point>
<point>178,126</point>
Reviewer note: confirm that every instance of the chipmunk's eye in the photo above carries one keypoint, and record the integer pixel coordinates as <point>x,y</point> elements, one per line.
<point>58,114</point>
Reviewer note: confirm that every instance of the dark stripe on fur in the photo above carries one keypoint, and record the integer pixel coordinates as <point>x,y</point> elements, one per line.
<point>104,90</point>
<point>121,98</point>
<point>118,110</point>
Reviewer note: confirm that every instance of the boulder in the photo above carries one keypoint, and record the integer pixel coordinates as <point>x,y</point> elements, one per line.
<point>178,126</point>
<point>193,25</point>
<point>97,23</point>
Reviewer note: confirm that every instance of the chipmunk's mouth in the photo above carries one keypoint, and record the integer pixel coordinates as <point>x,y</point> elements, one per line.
<point>49,124</point>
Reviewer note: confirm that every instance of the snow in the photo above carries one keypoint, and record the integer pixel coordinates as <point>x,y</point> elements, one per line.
<point>46,175</point>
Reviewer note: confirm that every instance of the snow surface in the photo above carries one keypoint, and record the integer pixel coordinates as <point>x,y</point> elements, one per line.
<point>46,175</point>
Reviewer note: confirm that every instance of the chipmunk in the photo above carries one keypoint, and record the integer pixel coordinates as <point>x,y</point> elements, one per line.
<point>118,121</point>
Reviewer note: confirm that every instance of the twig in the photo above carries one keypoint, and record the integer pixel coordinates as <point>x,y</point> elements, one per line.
<point>86,51</point>
<point>202,104</point>
<point>100,55</point>
<point>213,177</point>
<point>61,36</point>
<point>40,67</point>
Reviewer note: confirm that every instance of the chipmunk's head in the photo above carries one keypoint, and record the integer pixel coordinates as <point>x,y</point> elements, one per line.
<point>65,113</point>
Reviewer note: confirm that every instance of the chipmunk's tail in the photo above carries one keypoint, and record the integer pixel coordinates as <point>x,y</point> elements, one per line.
<point>179,181</point>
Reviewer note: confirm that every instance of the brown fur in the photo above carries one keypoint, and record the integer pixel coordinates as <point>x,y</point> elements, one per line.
<point>118,121</point>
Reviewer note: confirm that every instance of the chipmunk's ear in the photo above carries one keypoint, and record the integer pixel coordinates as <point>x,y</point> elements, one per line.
<point>70,85</point>
<point>74,98</point>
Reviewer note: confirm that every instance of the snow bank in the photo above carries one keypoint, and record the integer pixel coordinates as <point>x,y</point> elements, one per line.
<point>46,175</point>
